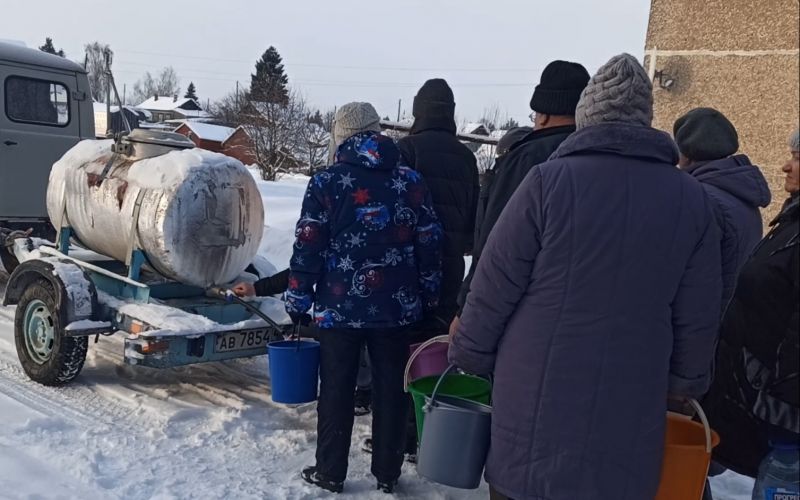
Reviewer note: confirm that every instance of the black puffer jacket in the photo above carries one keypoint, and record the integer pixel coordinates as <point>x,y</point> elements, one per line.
<point>501,182</point>
<point>451,172</point>
<point>754,396</point>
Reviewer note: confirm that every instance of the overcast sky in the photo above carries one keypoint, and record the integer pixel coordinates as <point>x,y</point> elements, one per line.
<point>491,51</point>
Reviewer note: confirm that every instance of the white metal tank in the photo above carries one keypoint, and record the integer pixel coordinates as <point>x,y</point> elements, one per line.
<point>197,215</point>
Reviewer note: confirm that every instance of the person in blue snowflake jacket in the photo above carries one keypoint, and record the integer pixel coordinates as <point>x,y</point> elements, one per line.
<point>367,258</point>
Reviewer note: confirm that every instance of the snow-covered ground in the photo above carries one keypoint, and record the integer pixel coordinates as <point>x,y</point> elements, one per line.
<point>204,431</point>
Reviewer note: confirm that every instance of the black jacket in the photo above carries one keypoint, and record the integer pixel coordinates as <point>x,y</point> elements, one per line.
<point>272,285</point>
<point>754,396</point>
<point>451,172</point>
<point>501,182</point>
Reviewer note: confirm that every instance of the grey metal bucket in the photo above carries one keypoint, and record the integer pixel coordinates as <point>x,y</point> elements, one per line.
<point>455,440</point>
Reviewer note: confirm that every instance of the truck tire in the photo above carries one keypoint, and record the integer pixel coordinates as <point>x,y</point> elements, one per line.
<point>46,354</point>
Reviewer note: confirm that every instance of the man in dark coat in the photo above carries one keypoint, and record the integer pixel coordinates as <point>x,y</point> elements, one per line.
<point>451,173</point>
<point>755,397</point>
<point>367,257</point>
<point>553,103</point>
<point>707,140</point>
<point>597,295</point>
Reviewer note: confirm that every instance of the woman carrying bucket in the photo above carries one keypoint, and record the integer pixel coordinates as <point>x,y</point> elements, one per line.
<point>367,257</point>
<point>598,293</point>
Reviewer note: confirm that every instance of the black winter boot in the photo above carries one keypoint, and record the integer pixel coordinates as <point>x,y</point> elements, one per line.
<point>387,487</point>
<point>312,476</point>
<point>363,402</point>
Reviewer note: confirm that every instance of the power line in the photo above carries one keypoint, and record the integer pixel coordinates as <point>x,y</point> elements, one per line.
<point>330,83</point>
<point>200,74</point>
<point>315,65</point>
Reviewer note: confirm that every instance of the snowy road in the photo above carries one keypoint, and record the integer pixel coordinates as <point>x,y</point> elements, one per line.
<point>206,431</point>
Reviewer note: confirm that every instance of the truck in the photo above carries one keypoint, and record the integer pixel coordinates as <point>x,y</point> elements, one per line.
<point>45,109</point>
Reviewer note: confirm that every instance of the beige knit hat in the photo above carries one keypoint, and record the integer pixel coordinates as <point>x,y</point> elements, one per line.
<point>352,118</point>
<point>619,92</point>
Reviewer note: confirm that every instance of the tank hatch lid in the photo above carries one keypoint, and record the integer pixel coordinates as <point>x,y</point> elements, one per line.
<point>160,138</point>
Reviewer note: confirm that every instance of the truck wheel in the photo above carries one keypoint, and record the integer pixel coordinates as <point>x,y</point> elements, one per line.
<point>46,354</point>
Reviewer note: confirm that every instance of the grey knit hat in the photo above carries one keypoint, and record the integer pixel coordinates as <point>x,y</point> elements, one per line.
<point>705,134</point>
<point>794,140</point>
<point>619,92</point>
<point>352,118</point>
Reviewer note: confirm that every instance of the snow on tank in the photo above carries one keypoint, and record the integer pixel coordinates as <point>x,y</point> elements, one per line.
<point>197,215</point>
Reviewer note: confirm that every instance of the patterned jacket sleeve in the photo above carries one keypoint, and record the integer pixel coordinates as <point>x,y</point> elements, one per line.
<point>428,251</point>
<point>310,248</point>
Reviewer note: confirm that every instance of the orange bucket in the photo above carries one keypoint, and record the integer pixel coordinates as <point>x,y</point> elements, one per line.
<point>687,455</point>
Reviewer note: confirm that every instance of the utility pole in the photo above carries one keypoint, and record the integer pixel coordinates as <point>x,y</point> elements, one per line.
<point>109,129</point>
<point>237,94</point>
<point>124,90</point>
<point>399,102</point>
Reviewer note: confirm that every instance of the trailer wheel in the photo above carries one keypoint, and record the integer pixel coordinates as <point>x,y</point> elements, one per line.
<point>46,354</point>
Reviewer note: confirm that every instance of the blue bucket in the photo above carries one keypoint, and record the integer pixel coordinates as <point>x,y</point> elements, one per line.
<point>294,370</point>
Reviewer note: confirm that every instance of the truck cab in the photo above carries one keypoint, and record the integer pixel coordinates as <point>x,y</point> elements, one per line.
<point>45,109</point>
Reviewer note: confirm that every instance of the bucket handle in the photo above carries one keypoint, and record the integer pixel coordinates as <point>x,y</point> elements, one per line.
<point>704,420</point>
<point>432,401</point>
<point>443,339</point>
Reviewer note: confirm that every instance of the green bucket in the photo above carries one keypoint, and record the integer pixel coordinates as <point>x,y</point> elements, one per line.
<point>461,386</point>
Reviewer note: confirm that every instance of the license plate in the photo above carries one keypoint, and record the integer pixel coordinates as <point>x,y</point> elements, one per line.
<point>240,341</point>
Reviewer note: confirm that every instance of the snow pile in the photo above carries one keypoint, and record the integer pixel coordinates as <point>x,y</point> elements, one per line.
<point>87,324</point>
<point>282,202</point>
<point>172,322</point>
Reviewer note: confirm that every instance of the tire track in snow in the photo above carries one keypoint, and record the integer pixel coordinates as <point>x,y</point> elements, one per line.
<point>76,403</point>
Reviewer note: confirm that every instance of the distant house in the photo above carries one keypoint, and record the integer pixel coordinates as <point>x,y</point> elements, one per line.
<point>230,141</point>
<point>473,129</point>
<point>165,108</point>
<point>101,122</point>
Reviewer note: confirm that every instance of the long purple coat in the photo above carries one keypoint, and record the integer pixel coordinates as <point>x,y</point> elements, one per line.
<point>598,293</point>
<point>736,189</point>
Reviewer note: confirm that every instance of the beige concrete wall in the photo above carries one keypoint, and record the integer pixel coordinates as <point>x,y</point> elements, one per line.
<point>740,57</point>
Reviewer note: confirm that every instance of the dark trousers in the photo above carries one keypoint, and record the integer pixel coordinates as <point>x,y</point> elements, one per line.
<point>496,495</point>
<point>339,361</point>
<point>714,469</point>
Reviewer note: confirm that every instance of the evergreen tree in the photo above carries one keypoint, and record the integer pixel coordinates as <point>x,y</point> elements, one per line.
<point>50,48</point>
<point>191,91</point>
<point>269,83</point>
<point>316,118</point>
<point>509,124</point>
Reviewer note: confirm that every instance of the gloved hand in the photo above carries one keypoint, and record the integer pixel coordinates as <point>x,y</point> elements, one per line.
<point>303,319</point>
<point>453,327</point>
<point>680,404</point>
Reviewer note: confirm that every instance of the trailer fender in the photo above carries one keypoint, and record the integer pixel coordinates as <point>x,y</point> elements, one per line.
<point>76,295</point>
